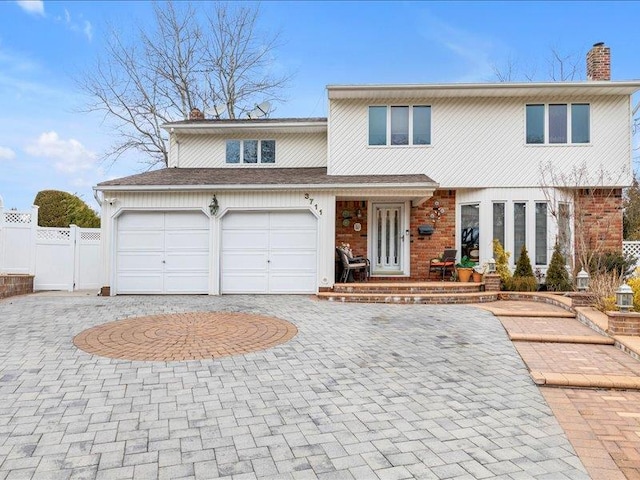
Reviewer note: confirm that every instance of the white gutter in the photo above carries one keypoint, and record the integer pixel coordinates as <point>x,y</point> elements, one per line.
<point>208,125</point>
<point>323,186</point>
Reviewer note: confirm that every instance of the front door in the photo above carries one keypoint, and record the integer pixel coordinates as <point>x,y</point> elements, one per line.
<point>388,239</point>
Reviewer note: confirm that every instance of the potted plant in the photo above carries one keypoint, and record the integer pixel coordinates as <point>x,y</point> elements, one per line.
<point>478,272</point>
<point>465,269</point>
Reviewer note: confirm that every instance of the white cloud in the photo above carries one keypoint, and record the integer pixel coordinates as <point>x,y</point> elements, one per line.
<point>6,153</point>
<point>34,7</point>
<point>69,156</point>
<point>79,26</point>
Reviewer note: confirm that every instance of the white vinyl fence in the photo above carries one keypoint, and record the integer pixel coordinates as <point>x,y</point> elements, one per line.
<point>632,248</point>
<point>60,258</point>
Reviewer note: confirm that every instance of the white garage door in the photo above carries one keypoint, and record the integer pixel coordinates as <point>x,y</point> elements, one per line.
<point>269,252</point>
<point>162,252</point>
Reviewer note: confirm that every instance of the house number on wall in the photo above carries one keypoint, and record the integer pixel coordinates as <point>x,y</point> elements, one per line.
<point>315,205</point>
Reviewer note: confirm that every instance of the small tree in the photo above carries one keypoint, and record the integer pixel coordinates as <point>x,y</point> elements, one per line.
<point>631,217</point>
<point>61,209</point>
<point>502,262</point>
<point>523,267</point>
<point>557,276</point>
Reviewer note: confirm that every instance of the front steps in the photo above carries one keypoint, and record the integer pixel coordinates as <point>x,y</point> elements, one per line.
<point>409,293</point>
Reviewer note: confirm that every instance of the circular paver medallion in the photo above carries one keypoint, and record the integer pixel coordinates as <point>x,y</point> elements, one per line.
<point>185,336</point>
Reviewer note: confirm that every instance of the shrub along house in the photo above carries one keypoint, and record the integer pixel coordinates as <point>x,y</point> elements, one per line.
<point>259,205</point>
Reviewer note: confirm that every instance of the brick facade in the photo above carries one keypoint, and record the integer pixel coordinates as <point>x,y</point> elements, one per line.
<point>621,323</point>
<point>423,247</point>
<point>598,220</point>
<point>11,285</point>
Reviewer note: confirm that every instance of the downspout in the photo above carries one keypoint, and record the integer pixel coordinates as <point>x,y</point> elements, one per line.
<point>97,197</point>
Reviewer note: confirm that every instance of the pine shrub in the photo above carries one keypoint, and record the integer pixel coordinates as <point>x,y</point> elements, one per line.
<point>523,267</point>
<point>61,209</point>
<point>557,279</point>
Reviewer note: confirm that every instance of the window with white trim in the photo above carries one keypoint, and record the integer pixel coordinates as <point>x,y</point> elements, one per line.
<point>541,233</point>
<point>558,123</point>
<point>399,125</point>
<point>251,151</point>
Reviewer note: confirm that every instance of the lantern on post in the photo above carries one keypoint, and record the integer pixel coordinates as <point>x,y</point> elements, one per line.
<point>624,298</point>
<point>491,265</point>
<point>582,281</point>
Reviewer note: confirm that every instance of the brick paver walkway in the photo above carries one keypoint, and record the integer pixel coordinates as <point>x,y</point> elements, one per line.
<point>604,428</point>
<point>185,336</point>
<point>361,392</point>
<point>602,425</point>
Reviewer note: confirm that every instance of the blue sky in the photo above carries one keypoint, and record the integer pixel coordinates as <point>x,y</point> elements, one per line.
<point>47,143</point>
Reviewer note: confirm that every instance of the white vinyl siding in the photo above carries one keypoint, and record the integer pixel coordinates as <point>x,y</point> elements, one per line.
<point>210,151</point>
<point>480,142</point>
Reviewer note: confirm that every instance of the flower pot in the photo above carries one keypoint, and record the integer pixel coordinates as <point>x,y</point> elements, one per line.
<point>477,277</point>
<point>464,274</point>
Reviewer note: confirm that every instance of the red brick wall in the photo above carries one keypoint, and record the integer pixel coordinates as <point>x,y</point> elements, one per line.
<point>346,234</point>
<point>11,285</point>
<point>599,220</point>
<point>423,248</point>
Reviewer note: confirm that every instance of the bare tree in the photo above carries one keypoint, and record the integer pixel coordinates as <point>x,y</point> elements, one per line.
<point>186,59</point>
<point>560,67</point>
<point>572,197</point>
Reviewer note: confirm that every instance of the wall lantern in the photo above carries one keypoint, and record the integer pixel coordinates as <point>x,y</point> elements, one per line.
<point>624,298</point>
<point>491,265</point>
<point>582,281</point>
<point>213,206</point>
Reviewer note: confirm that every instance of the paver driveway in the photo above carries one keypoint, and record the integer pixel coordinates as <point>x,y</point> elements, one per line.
<point>362,391</point>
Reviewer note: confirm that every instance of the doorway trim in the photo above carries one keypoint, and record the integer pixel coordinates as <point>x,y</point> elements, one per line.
<point>404,239</point>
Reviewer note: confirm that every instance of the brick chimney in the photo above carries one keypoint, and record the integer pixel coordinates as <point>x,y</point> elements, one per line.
<point>599,62</point>
<point>196,114</point>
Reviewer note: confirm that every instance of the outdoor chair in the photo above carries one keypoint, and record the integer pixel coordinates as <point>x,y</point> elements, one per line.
<point>444,265</point>
<point>351,265</point>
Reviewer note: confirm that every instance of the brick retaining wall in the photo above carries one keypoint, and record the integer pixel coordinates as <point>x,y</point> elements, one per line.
<point>11,285</point>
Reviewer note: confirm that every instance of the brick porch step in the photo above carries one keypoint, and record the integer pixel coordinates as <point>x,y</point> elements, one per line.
<point>411,298</point>
<point>402,288</point>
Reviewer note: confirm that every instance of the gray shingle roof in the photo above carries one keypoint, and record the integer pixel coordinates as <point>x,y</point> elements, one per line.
<point>260,176</point>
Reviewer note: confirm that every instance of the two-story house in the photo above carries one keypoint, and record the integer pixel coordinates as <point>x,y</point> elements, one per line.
<point>399,172</point>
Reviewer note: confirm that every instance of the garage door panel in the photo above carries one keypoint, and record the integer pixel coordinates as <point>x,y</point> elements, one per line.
<point>293,261</point>
<point>141,221</point>
<point>140,241</point>
<point>245,240</point>
<point>187,240</point>
<point>245,283</point>
<point>186,282</point>
<point>245,261</point>
<point>162,252</point>
<point>139,261</point>
<point>246,221</point>
<point>292,239</point>
<point>292,220</point>
<point>140,282</point>
<point>186,262</point>
<point>269,252</point>
<point>186,220</point>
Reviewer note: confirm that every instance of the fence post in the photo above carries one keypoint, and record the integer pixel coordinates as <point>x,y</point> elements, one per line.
<point>1,236</point>
<point>74,237</point>
<point>34,239</point>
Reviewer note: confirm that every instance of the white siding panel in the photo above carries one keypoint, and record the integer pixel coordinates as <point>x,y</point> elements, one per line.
<point>480,142</point>
<point>292,150</point>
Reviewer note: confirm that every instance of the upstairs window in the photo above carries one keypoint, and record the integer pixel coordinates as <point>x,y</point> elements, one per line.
<point>400,125</point>
<point>558,123</point>
<point>251,151</point>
